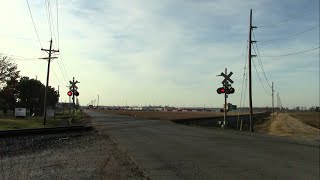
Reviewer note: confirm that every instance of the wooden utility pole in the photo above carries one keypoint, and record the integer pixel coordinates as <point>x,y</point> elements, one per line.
<point>225,101</point>
<point>50,51</point>
<point>250,80</point>
<point>58,93</point>
<point>98,102</point>
<point>272,102</point>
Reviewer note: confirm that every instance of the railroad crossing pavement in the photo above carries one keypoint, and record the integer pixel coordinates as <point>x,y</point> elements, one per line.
<point>171,151</point>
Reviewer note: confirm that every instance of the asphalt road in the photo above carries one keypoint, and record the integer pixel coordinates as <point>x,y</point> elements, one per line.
<point>171,151</point>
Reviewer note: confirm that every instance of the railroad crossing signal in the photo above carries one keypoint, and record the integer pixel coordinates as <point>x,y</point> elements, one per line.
<point>76,93</point>
<point>226,77</point>
<point>227,90</point>
<point>221,90</point>
<point>73,88</point>
<point>73,85</point>
<point>230,90</point>
<point>69,93</point>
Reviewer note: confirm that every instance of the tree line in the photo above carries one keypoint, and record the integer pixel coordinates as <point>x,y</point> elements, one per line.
<point>21,91</point>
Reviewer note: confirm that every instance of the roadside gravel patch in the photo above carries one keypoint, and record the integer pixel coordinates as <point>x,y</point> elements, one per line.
<point>86,155</point>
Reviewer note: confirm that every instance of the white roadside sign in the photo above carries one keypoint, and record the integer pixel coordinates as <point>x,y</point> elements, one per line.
<point>20,112</point>
<point>50,112</point>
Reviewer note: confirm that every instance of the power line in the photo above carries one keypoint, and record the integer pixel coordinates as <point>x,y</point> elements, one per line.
<point>55,74</point>
<point>34,23</point>
<point>293,35</point>
<point>52,21</point>
<point>259,60</point>
<point>260,79</point>
<point>48,17</point>
<point>58,23</point>
<point>244,76</point>
<point>290,54</point>
<point>17,56</point>
<point>63,65</point>
<point>62,73</point>
<point>287,19</point>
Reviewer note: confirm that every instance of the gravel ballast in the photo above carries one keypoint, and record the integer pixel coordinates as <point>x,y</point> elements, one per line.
<point>87,155</point>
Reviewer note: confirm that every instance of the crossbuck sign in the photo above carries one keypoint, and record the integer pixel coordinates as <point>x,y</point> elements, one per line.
<point>227,78</point>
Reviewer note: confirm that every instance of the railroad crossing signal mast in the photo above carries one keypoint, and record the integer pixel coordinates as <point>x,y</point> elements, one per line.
<point>226,89</point>
<point>73,92</point>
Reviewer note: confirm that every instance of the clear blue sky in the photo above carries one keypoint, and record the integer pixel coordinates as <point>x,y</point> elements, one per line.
<point>167,52</point>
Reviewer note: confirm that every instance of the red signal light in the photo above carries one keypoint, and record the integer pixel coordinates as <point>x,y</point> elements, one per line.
<point>221,90</point>
<point>69,93</point>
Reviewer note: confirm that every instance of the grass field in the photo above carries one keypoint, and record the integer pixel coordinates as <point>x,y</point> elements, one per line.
<point>169,115</point>
<point>11,123</point>
<point>310,118</point>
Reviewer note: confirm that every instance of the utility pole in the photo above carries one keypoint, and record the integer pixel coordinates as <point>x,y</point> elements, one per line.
<point>225,101</point>
<point>272,102</point>
<point>250,80</point>
<point>58,94</point>
<point>98,102</point>
<point>50,51</point>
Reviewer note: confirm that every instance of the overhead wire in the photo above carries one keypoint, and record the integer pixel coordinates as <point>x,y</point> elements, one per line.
<point>52,21</point>
<point>260,79</point>
<point>48,17</point>
<point>17,57</point>
<point>244,74</point>
<point>63,66</point>
<point>55,74</point>
<point>259,59</point>
<point>60,60</point>
<point>52,33</point>
<point>293,35</point>
<point>287,19</point>
<point>290,54</point>
<point>58,23</point>
<point>35,29</point>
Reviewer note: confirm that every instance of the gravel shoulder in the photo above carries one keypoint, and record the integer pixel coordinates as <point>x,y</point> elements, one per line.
<point>88,155</point>
<point>285,125</point>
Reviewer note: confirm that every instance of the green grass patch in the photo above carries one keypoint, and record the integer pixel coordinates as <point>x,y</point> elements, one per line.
<point>11,123</point>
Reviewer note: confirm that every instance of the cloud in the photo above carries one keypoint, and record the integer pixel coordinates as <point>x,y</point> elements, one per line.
<point>165,52</point>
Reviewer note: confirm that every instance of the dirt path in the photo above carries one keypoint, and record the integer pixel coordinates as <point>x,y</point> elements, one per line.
<point>285,125</point>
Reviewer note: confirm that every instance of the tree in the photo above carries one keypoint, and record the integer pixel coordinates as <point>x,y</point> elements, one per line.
<point>8,70</point>
<point>31,95</point>
<point>8,95</point>
<point>9,76</point>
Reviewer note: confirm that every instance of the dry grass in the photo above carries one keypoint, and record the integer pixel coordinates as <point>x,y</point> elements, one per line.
<point>310,118</point>
<point>286,125</point>
<point>170,115</point>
